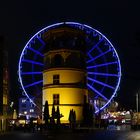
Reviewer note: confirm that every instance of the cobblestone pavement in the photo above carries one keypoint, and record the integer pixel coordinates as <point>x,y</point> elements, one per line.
<point>94,135</point>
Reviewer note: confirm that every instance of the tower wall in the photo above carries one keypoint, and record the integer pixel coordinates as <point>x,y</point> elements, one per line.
<point>69,98</point>
<point>70,88</point>
<point>64,75</point>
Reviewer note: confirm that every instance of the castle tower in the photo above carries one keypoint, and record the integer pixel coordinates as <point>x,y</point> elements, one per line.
<point>64,75</point>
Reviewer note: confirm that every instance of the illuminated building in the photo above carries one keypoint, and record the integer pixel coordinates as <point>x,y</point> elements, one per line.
<point>1,77</point>
<point>4,86</point>
<point>26,108</point>
<point>64,75</point>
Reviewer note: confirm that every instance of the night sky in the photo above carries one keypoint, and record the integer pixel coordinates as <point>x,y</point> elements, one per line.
<point>118,20</point>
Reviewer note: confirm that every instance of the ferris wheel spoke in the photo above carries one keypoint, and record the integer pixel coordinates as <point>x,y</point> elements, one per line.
<point>33,84</point>
<point>101,83</point>
<point>103,74</point>
<point>35,51</point>
<point>31,73</point>
<point>98,56</point>
<point>102,65</point>
<point>42,42</point>
<point>97,92</point>
<point>96,45</point>
<point>33,62</point>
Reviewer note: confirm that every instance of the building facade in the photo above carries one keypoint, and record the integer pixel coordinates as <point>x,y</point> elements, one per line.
<point>64,75</point>
<point>1,73</point>
<point>4,86</point>
<point>26,108</point>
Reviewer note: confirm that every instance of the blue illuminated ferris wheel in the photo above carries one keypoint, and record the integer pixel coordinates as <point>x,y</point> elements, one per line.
<point>103,66</point>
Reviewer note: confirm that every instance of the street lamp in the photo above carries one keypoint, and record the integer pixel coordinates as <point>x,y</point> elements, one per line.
<point>137,102</point>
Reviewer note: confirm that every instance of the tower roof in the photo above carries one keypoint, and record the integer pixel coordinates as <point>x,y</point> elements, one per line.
<point>65,37</point>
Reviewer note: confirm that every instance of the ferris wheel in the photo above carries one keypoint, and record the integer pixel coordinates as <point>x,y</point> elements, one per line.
<point>103,66</point>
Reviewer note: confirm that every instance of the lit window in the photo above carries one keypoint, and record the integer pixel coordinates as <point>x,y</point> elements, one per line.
<point>5,99</point>
<point>23,100</point>
<point>56,79</point>
<point>56,99</point>
<point>25,112</point>
<point>31,110</point>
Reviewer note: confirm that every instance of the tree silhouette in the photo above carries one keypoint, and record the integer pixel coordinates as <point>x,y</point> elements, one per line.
<point>72,118</point>
<point>87,113</point>
<point>53,115</point>
<point>46,113</point>
<point>90,115</point>
<point>58,115</point>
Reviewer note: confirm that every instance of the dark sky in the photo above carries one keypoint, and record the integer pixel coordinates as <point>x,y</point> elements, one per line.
<point>118,20</point>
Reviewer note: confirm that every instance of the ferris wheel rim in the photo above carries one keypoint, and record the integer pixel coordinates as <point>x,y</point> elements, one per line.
<point>69,23</point>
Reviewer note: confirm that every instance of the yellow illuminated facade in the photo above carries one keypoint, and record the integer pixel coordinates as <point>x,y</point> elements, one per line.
<point>64,75</point>
<point>5,100</point>
<point>4,92</point>
<point>70,96</point>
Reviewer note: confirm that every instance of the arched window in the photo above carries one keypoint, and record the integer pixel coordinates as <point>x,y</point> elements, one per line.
<point>58,60</point>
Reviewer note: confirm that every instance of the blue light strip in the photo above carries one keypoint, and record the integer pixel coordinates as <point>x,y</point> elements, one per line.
<point>33,62</point>
<point>39,50</point>
<point>96,45</point>
<point>103,74</point>
<point>35,51</point>
<point>43,43</point>
<point>32,84</point>
<point>30,73</point>
<point>102,65</point>
<point>101,83</point>
<point>96,91</point>
<point>94,58</point>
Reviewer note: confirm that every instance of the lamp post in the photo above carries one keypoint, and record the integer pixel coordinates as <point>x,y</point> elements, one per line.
<point>137,102</point>
<point>25,113</point>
